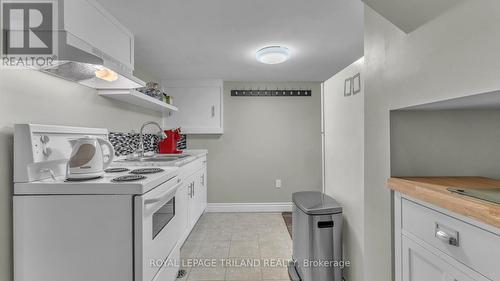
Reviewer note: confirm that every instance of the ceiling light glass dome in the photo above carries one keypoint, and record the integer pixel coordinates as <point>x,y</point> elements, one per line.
<point>273,54</point>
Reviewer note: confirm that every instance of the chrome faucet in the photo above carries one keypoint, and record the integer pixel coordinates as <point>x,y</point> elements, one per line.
<point>161,134</point>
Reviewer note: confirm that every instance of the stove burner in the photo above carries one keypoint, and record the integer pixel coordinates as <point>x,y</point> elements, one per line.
<point>128,178</point>
<point>82,179</point>
<point>146,171</point>
<point>116,170</point>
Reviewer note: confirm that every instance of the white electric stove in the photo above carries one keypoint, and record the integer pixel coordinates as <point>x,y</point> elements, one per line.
<point>122,226</point>
<point>116,180</point>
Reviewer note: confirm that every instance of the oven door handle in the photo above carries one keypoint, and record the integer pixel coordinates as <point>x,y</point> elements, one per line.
<point>161,196</point>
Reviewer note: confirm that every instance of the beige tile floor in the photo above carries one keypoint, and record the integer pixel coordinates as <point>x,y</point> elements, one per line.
<point>232,240</point>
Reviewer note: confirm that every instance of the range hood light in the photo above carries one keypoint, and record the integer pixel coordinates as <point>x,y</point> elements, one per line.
<point>106,74</point>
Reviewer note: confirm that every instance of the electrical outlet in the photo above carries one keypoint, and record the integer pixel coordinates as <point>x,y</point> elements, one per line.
<point>278,183</point>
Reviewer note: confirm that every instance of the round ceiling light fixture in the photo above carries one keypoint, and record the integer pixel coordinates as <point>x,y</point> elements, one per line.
<point>273,54</point>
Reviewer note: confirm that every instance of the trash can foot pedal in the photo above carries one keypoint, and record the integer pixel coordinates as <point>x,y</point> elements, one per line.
<point>292,272</point>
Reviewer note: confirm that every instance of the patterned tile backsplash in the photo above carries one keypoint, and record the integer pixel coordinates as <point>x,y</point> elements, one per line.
<point>127,143</point>
<point>182,144</point>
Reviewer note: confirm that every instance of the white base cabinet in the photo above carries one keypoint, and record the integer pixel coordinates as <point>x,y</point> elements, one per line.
<point>419,264</point>
<point>193,194</point>
<point>432,243</point>
<point>182,209</point>
<point>199,195</point>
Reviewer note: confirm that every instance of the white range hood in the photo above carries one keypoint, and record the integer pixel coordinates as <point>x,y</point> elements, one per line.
<point>87,39</point>
<point>78,61</point>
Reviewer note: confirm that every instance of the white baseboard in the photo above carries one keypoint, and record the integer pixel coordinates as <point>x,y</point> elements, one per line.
<point>249,207</point>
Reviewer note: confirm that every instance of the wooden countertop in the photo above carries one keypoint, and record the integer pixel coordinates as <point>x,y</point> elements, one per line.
<point>433,190</point>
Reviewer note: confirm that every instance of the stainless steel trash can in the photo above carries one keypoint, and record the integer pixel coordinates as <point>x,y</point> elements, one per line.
<point>317,238</point>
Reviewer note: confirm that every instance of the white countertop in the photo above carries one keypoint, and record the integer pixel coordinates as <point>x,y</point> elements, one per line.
<point>196,153</point>
<point>192,155</point>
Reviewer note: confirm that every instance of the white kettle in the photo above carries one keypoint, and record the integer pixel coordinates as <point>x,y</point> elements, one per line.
<point>87,158</point>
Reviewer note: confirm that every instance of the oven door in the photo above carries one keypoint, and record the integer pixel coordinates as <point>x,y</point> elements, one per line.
<point>156,229</point>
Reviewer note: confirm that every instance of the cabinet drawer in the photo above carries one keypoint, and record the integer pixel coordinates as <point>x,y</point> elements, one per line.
<point>190,168</point>
<point>475,247</point>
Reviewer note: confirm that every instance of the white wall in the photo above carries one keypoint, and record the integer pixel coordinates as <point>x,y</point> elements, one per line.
<point>445,143</point>
<point>34,97</point>
<point>265,138</point>
<point>344,135</point>
<point>454,55</point>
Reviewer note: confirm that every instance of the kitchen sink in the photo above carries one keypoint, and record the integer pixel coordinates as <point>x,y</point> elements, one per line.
<point>167,157</point>
<point>156,158</point>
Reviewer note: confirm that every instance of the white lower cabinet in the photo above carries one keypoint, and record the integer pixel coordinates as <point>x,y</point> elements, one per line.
<point>434,244</point>
<point>419,264</point>
<point>182,209</point>
<point>193,202</point>
<point>199,194</point>
<point>192,195</point>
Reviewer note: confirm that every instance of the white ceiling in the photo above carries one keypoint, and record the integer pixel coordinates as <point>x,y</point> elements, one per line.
<point>409,15</point>
<point>217,39</point>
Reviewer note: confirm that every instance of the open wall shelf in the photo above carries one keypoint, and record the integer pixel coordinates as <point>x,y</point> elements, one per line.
<point>139,99</point>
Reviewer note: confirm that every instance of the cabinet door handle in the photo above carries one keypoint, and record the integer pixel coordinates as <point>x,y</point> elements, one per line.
<point>213,111</point>
<point>446,235</point>
<point>193,188</point>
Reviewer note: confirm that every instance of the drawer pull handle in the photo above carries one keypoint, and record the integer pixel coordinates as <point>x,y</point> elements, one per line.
<point>450,239</point>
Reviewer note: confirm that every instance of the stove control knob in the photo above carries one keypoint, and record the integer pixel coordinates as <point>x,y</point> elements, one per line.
<point>44,139</point>
<point>47,151</point>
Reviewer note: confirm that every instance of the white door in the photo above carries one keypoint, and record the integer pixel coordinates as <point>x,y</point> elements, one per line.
<point>200,109</point>
<point>420,264</point>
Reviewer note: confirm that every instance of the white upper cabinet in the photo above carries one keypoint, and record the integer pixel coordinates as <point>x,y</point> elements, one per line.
<point>88,21</point>
<point>200,106</point>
